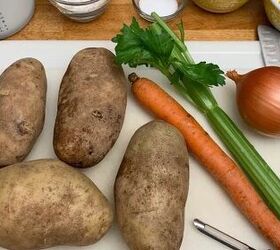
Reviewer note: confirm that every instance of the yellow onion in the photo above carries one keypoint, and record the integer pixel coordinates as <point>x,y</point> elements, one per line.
<point>258,98</point>
<point>220,6</point>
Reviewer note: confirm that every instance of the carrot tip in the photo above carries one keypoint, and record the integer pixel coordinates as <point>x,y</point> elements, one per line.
<point>133,77</point>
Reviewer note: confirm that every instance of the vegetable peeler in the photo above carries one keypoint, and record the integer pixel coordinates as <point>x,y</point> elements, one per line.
<point>221,236</point>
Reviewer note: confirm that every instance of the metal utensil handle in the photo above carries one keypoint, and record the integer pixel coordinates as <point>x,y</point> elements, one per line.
<point>221,236</point>
<point>270,44</point>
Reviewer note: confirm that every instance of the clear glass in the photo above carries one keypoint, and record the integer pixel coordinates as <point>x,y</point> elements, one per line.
<point>81,10</point>
<point>180,3</point>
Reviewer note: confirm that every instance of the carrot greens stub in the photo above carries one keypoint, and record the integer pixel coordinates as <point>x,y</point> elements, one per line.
<point>159,47</point>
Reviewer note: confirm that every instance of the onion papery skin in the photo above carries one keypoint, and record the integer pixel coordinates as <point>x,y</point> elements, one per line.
<point>258,98</point>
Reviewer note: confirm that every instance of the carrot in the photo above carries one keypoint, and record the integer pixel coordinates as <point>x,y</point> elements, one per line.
<point>210,155</point>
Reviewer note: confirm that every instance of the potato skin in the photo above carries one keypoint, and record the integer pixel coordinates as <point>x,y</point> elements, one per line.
<point>91,108</point>
<point>151,188</point>
<point>23,87</point>
<point>45,203</point>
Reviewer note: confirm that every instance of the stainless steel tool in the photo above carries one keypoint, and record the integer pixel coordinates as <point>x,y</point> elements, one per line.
<point>221,236</point>
<point>270,44</point>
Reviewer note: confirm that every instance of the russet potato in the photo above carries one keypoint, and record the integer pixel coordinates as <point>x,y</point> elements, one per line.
<point>47,203</point>
<point>23,87</point>
<point>151,188</point>
<point>91,108</point>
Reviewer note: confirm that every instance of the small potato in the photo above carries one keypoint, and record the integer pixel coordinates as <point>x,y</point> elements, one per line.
<point>46,203</point>
<point>151,188</point>
<point>91,108</point>
<point>23,88</point>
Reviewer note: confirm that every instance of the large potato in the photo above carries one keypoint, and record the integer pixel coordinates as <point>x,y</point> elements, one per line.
<point>151,188</point>
<point>23,88</point>
<point>91,108</point>
<point>46,203</point>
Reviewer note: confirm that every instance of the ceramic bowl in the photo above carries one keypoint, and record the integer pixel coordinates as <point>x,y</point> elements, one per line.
<point>220,6</point>
<point>136,3</point>
<point>272,9</point>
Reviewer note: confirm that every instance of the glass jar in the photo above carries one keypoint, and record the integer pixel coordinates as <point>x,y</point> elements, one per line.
<point>166,9</point>
<point>81,10</point>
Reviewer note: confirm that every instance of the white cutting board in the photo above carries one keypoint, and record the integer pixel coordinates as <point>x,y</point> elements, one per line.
<point>206,199</point>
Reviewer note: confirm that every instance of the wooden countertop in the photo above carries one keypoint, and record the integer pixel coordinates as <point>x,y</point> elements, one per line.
<point>48,23</point>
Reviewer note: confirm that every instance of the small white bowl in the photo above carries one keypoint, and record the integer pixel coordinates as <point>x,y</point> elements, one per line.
<point>148,17</point>
<point>272,9</point>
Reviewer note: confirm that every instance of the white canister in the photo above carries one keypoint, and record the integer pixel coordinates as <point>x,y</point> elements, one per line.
<point>14,15</point>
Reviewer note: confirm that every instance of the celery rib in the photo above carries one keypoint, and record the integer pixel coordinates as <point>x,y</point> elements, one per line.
<point>265,181</point>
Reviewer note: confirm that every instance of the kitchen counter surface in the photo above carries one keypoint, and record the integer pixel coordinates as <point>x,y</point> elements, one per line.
<point>48,23</point>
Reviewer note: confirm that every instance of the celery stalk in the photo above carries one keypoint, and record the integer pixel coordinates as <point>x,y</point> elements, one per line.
<point>265,181</point>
